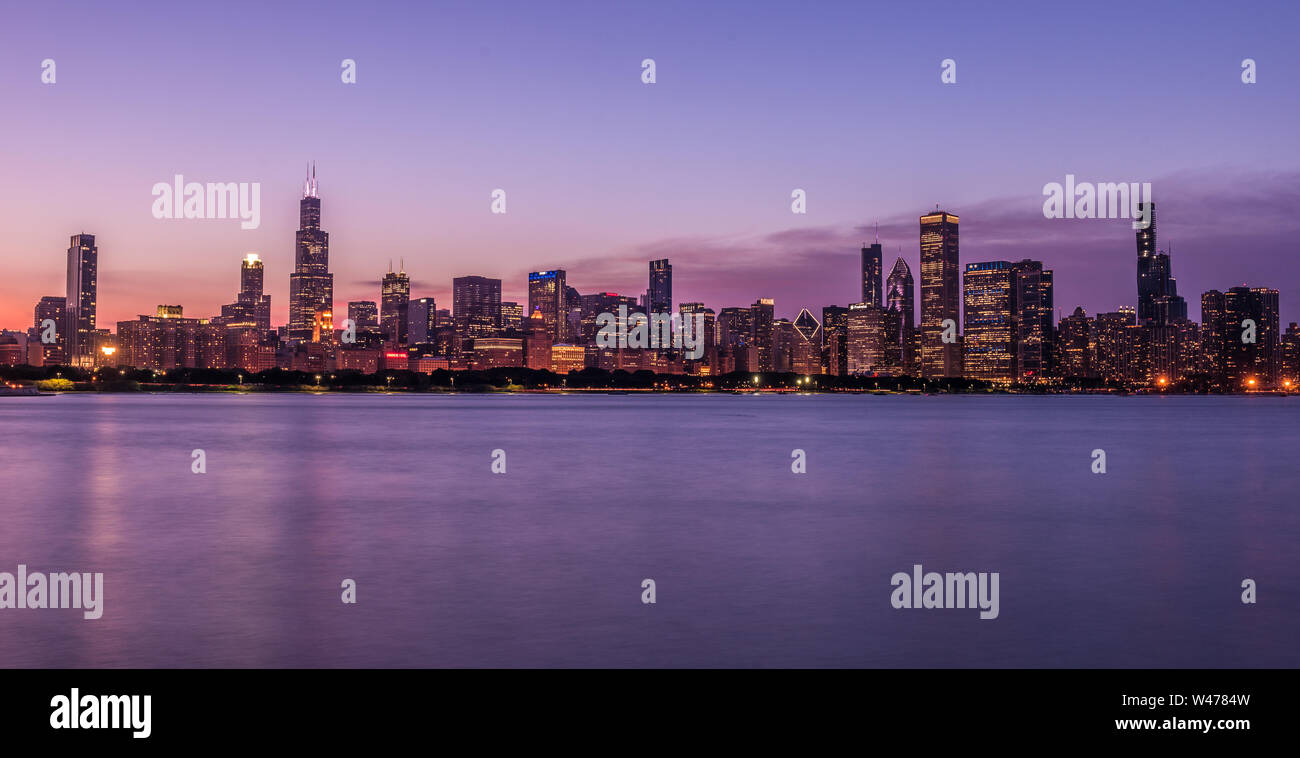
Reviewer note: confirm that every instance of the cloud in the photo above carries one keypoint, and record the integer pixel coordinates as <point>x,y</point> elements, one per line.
<point>1226,227</point>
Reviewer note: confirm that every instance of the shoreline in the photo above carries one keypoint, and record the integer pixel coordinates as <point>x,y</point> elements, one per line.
<point>80,388</point>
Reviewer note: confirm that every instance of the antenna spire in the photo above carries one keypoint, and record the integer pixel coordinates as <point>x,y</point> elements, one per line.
<point>309,186</point>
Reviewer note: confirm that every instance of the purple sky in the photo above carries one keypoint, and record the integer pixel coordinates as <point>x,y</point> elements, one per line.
<point>603,172</point>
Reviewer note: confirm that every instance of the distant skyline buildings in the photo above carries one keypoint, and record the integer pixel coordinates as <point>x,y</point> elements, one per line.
<point>52,310</point>
<point>989,333</point>
<point>872,260</point>
<point>251,290</point>
<point>311,285</point>
<point>364,314</point>
<point>422,317</point>
<point>940,294</point>
<point>900,297</point>
<point>476,305</point>
<point>659,295</point>
<point>81,299</point>
<point>1034,298</point>
<point>547,294</point>
<point>394,298</point>
<point>251,307</point>
<point>1158,300</point>
<point>1002,325</point>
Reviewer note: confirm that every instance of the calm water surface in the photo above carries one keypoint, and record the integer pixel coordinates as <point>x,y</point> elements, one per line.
<point>755,566</point>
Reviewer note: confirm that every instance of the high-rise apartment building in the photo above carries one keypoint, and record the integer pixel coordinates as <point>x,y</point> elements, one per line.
<point>81,300</point>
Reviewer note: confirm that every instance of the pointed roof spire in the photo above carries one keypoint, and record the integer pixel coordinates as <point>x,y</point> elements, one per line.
<point>877,231</point>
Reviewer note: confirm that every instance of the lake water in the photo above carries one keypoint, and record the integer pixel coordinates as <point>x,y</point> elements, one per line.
<point>754,565</point>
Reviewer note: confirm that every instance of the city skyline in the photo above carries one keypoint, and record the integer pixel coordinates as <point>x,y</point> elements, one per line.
<point>985,320</point>
<point>1154,275</point>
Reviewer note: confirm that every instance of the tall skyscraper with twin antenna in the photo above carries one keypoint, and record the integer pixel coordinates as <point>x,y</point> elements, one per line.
<point>394,305</point>
<point>311,285</point>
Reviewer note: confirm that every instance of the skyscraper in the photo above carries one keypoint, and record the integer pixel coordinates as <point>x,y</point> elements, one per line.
<point>708,341</point>
<point>761,323</point>
<point>1077,344</point>
<point>81,300</point>
<point>1032,298</point>
<point>311,285</point>
<point>364,315</point>
<point>870,349</point>
<point>1289,360</point>
<point>660,294</point>
<point>835,335</point>
<point>512,317</point>
<point>940,294</point>
<point>394,297</point>
<point>476,306</point>
<point>251,276</point>
<point>1110,331</point>
<point>251,291</point>
<point>251,308</point>
<point>900,297</point>
<point>537,342</point>
<point>422,321</point>
<point>1158,300</point>
<point>1214,320</point>
<point>1250,351</point>
<point>990,335</point>
<point>871,272</point>
<point>806,355</point>
<point>736,337</point>
<point>52,309</point>
<point>1150,269</point>
<point>546,293</point>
